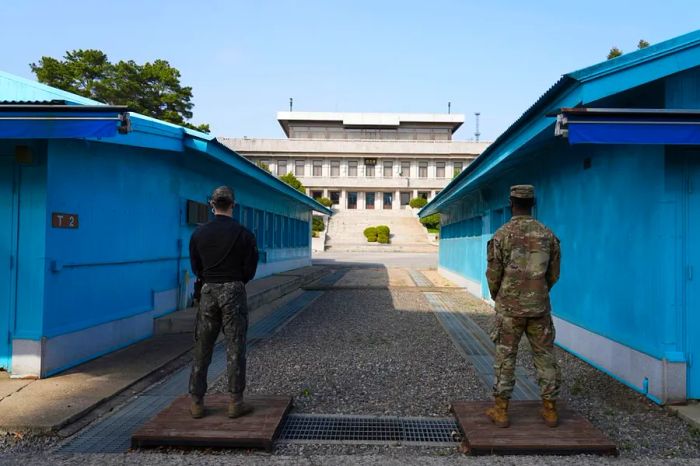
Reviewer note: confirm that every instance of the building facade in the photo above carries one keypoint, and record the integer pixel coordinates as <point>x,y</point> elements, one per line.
<point>365,160</point>
<point>613,151</point>
<point>98,206</point>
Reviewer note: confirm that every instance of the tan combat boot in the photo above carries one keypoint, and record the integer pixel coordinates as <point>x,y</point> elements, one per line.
<point>549,413</point>
<point>197,407</point>
<point>499,412</point>
<point>237,408</point>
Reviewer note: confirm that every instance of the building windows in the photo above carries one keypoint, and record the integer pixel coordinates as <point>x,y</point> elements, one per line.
<point>439,169</point>
<point>406,168</point>
<point>352,167</point>
<point>317,194</point>
<point>352,200</point>
<point>369,171</point>
<point>299,168</point>
<point>335,197</point>
<point>281,167</point>
<point>335,167</point>
<point>388,168</point>
<point>457,168</point>
<point>318,167</point>
<point>422,169</point>
<point>369,200</point>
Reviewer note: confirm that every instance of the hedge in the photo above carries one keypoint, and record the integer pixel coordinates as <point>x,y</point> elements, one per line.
<point>431,221</point>
<point>382,238</point>
<point>417,202</point>
<point>371,234</point>
<point>383,229</point>
<point>324,201</point>
<point>317,223</point>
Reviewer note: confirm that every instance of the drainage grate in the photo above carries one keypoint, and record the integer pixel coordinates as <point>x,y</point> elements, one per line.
<point>340,429</point>
<point>419,279</point>
<point>474,343</point>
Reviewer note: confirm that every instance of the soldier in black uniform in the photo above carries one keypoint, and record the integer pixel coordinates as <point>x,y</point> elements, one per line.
<point>224,258</point>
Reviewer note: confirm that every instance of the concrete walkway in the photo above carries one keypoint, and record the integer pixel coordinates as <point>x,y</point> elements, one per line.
<point>46,405</point>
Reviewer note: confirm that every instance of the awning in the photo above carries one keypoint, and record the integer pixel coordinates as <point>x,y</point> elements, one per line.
<point>628,126</point>
<point>30,121</point>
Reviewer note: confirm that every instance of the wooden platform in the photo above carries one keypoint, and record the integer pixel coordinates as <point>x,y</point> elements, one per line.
<point>175,427</point>
<point>527,433</point>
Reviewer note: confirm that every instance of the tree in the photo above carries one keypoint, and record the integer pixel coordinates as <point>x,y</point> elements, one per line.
<point>264,166</point>
<point>642,44</point>
<point>292,181</point>
<point>614,53</point>
<point>152,89</point>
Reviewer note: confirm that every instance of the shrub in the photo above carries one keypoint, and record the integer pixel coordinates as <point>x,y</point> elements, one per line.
<point>382,238</point>
<point>314,233</point>
<point>324,201</point>
<point>383,230</point>
<point>371,234</point>
<point>292,181</point>
<point>317,224</point>
<point>431,222</point>
<point>417,202</point>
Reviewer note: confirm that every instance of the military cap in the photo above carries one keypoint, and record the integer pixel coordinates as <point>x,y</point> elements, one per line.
<point>522,191</point>
<point>223,195</point>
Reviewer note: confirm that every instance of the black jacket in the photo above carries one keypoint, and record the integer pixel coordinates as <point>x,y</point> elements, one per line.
<point>223,251</point>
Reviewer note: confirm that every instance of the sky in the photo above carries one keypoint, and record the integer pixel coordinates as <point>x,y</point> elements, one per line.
<point>245,59</point>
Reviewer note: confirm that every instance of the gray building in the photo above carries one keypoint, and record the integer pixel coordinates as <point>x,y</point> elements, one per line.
<point>365,160</point>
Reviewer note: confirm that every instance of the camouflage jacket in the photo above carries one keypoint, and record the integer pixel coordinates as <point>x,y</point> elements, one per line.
<point>523,265</point>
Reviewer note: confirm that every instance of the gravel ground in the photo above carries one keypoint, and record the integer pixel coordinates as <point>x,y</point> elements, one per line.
<point>383,352</point>
<point>364,352</point>
<point>638,426</point>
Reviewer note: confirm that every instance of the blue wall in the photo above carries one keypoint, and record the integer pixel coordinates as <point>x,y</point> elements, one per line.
<point>628,223</point>
<point>133,237</point>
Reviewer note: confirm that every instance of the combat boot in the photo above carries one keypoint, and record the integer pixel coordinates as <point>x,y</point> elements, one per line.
<point>499,412</point>
<point>549,413</point>
<point>237,408</point>
<point>197,407</point>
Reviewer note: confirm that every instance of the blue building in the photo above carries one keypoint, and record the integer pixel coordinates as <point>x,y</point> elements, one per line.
<point>614,153</point>
<point>97,208</point>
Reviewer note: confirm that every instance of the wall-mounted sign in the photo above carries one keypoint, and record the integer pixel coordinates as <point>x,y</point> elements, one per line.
<point>60,220</point>
<point>370,161</point>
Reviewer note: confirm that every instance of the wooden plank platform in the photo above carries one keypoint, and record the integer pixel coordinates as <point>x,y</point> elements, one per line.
<point>175,427</point>
<point>527,433</point>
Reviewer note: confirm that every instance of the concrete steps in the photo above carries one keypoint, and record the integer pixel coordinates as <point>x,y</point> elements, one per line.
<point>345,231</point>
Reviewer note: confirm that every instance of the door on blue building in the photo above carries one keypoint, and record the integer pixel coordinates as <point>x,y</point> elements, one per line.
<point>8,225</point>
<point>692,274</point>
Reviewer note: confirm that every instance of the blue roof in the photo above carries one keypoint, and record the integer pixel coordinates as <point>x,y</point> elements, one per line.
<point>153,133</point>
<point>630,71</point>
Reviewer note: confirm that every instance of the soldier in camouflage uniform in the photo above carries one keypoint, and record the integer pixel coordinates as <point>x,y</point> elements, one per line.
<point>523,265</point>
<point>224,257</point>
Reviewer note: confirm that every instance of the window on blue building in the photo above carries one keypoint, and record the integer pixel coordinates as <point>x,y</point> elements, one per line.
<point>269,228</point>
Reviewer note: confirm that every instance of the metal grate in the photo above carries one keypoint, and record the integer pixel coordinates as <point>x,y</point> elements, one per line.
<point>340,429</point>
<point>419,279</point>
<point>474,343</point>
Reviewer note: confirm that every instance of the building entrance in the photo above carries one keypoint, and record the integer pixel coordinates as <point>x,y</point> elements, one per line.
<point>369,201</point>
<point>8,214</point>
<point>352,200</point>
<point>388,200</point>
<point>405,199</point>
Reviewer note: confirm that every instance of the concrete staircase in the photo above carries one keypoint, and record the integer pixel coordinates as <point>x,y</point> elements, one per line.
<point>345,229</point>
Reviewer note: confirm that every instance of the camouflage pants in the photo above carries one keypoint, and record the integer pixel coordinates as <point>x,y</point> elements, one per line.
<point>221,305</point>
<point>540,332</point>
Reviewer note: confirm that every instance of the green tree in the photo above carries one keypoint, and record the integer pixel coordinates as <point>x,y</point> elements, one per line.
<point>264,166</point>
<point>152,89</point>
<point>292,181</point>
<point>642,44</point>
<point>614,53</point>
